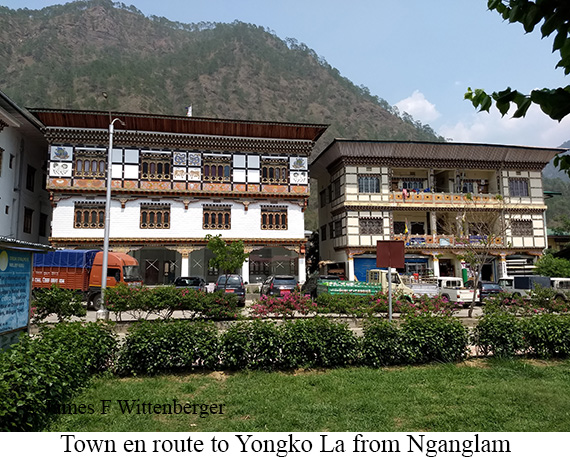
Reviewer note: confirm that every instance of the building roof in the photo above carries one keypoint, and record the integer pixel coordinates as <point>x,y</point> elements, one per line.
<point>80,119</point>
<point>421,153</point>
<point>14,116</point>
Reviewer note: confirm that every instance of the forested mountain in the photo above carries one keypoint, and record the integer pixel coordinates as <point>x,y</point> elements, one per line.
<point>66,56</point>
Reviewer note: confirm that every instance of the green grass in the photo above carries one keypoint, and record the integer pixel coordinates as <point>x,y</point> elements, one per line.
<point>517,395</point>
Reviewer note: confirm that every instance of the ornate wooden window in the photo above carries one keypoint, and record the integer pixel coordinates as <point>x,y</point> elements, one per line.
<point>518,187</point>
<point>89,215</point>
<point>217,217</point>
<point>368,184</point>
<point>274,218</point>
<point>155,167</point>
<point>155,216</point>
<point>274,171</point>
<point>91,164</point>
<point>371,226</point>
<point>216,169</point>
<point>521,227</point>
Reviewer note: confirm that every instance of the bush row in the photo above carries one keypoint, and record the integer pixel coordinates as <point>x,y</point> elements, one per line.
<point>543,335</point>
<point>37,376</point>
<point>153,347</point>
<point>347,305</point>
<point>141,302</point>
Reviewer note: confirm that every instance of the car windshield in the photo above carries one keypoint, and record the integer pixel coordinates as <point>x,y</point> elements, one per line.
<point>284,281</point>
<point>232,281</point>
<point>490,286</point>
<point>131,273</point>
<point>188,282</point>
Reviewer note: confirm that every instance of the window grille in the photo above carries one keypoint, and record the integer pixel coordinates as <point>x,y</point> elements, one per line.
<point>371,226</point>
<point>521,228</point>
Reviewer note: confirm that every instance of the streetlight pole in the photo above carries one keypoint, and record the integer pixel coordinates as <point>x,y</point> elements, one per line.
<point>107,213</point>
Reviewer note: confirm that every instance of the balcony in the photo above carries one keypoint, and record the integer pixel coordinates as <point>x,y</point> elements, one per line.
<point>442,241</point>
<point>445,199</point>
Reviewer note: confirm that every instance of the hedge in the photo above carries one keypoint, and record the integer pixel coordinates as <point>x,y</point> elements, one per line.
<point>37,376</point>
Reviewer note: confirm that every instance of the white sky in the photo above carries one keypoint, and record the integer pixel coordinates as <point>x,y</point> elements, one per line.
<point>418,55</point>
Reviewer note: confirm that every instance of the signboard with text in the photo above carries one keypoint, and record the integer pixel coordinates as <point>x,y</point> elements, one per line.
<point>15,279</point>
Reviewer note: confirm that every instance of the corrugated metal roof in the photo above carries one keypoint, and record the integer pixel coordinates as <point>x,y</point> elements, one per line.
<point>178,124</point>
<point>473,152</point>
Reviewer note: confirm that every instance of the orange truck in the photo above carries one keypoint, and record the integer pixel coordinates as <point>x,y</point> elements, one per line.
<point>81,270</point>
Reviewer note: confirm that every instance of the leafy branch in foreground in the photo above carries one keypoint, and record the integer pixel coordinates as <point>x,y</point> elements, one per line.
<point>555,18</point>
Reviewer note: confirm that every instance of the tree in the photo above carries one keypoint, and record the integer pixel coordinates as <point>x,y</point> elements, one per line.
<point>555,18</point>
<point>480,234</point>
<point>228,258</point>
<point>554,267</point>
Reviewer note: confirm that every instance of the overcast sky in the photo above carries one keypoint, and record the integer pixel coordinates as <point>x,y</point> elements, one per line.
<point>416,54</point>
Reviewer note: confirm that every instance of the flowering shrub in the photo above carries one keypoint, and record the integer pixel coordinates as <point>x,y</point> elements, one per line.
<point>373,305</point>
<point>541,301</point>
<point>428,305</point>
<point>284,306</point>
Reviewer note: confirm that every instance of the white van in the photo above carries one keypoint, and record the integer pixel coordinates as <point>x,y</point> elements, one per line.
<point>454,290</point>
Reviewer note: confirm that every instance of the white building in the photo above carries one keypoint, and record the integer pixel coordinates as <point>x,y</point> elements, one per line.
<point>177,179</point>
<point>432,196</point>
<point>25,209</point>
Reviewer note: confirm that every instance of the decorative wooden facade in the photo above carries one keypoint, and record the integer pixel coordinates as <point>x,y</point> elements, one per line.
<point>436,198</point>
<point>176,179</point>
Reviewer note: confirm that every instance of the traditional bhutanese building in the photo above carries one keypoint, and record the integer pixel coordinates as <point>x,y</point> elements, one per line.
<point>431,196</point>
<point>176,179</point>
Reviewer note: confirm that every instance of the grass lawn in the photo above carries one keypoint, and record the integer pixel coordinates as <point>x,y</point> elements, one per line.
<point>479,395</point>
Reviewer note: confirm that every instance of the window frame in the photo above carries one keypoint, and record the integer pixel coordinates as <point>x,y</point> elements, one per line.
<point>95,215</point>
<point>154,216</point>
<point>368,184</point>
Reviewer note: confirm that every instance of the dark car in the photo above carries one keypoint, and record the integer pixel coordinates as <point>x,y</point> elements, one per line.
<point>277,285</point>
<point>190,282</point>
<point>310,285</point>
<point>488,289</point>
<point>232,284</point>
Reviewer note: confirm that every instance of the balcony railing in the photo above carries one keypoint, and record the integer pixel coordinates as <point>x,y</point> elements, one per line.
<point>444,198</point>
<point>448,240</point>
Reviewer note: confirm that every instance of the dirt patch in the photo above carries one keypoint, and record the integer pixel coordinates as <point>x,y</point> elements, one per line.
<point>476,362</point>
<point>218,375</point>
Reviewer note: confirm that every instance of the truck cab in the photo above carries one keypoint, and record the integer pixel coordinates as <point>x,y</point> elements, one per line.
<point>453,289</point>
<point>522,286</point>
<point>378,276</point>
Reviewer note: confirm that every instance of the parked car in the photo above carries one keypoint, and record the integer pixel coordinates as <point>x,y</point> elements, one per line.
<point>310,285</point>
<point>232,284</point>
<point>561,288</point>
<point>278,285</point>
<point>488,289</point>
<point>190,282</point>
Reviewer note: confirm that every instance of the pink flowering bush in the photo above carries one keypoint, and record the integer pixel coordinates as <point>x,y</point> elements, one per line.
<point>284,306</point>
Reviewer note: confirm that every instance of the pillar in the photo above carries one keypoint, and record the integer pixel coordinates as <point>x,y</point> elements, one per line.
<point>350,266</point>
<point>245,271</point>
<point>433,222</point>
<point>502,266</point>
<point>301,268</point>
<point>435,261</point>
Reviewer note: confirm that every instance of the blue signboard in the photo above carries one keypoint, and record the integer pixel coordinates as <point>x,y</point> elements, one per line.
<point>15,279</point>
